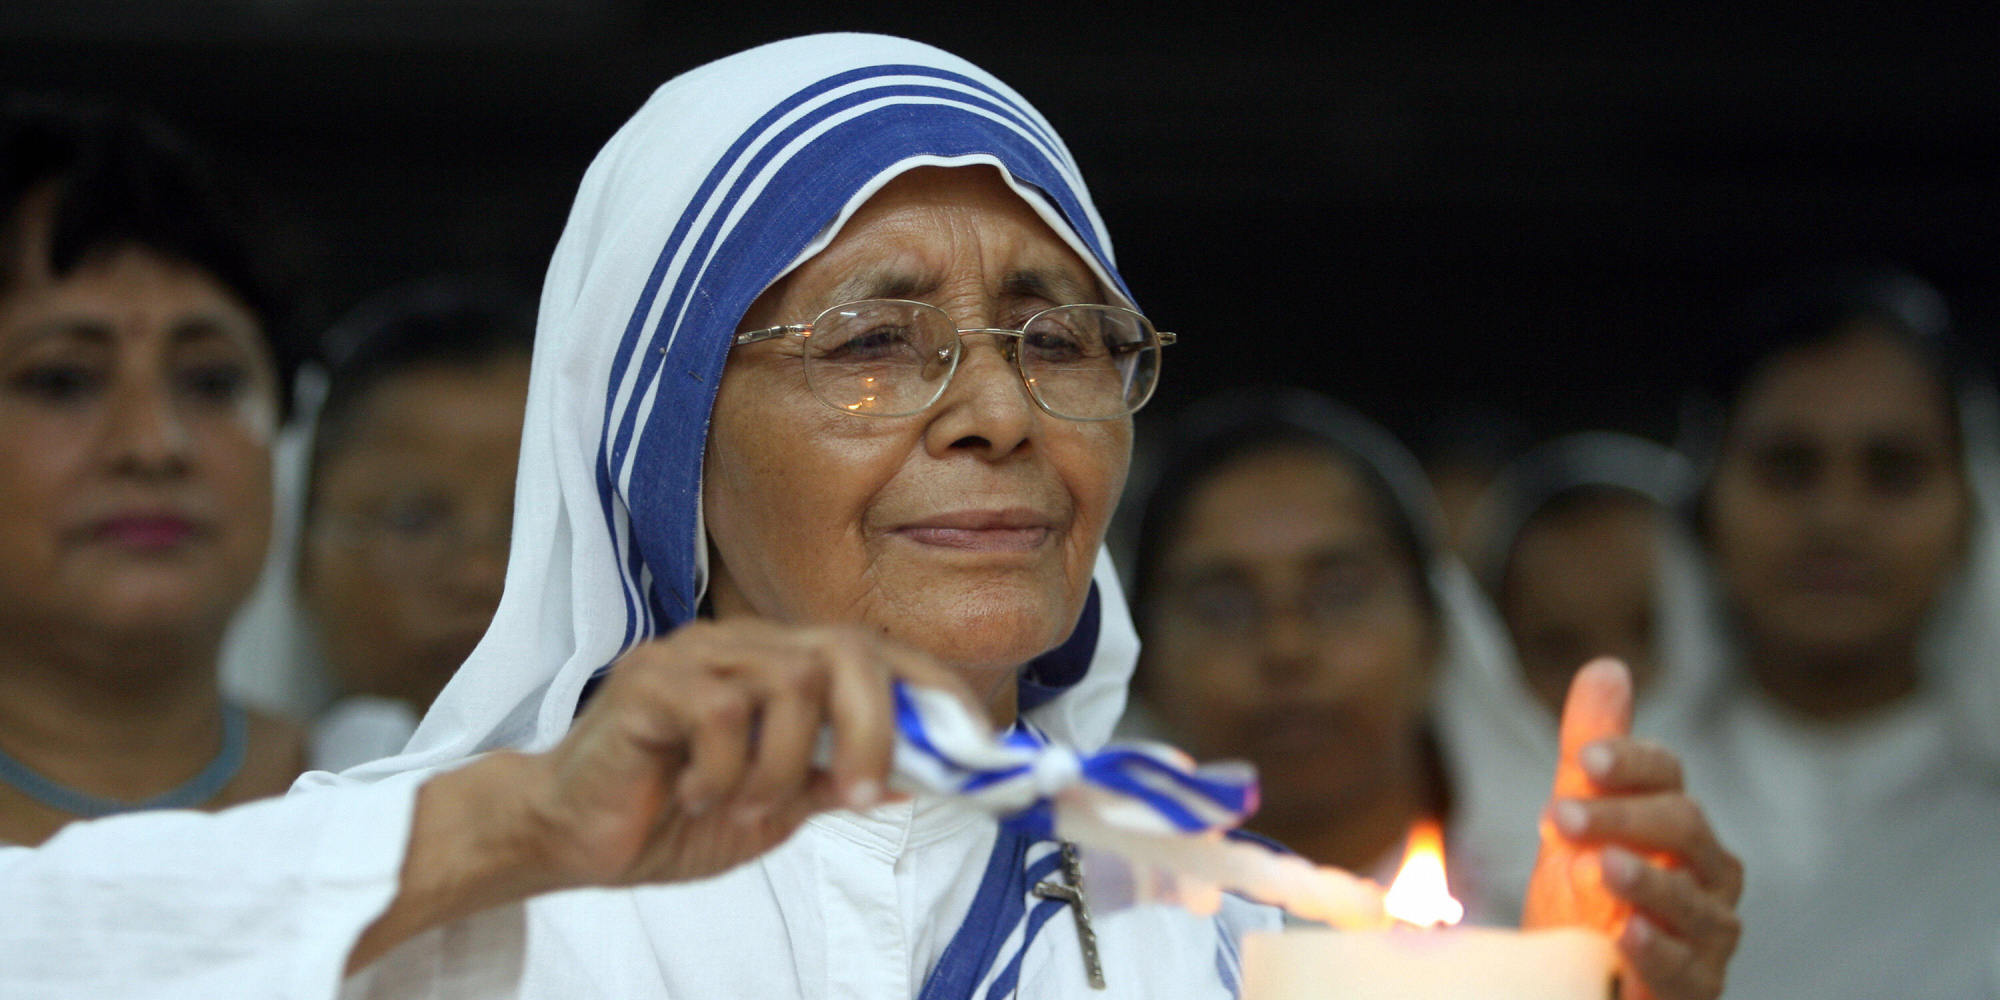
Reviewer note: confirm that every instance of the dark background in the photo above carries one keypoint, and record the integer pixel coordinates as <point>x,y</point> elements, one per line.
<point>1545,209</point>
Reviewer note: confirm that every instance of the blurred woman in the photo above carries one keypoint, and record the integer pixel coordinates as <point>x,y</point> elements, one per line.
<point>410,496</point>
<point>1582,548</point>
<point>139,391</point>
<point>1295,603</point>
<point>1848,446</point>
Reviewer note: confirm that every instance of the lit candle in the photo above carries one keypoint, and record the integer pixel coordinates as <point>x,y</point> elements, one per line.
<point>1424,958</point>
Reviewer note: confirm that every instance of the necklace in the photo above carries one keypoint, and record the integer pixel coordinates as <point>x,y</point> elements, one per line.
<point>197,790</point>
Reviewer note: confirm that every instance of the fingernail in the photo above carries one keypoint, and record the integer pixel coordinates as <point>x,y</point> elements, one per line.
<point>1596,760</point>
<point>748,815</point>
<point>1570,816</point>
<point>863,793</point>
<point>1621,867</point>
<point>1639,931</point>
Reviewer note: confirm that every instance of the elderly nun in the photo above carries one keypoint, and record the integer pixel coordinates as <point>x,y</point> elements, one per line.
<point>831,388</point>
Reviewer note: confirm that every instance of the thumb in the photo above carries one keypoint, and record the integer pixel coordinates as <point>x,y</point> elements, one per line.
<point>1567,887</point>
<point>1599,706</point>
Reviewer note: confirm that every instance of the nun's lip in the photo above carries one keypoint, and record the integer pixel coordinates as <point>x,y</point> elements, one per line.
<point>1014,529</point>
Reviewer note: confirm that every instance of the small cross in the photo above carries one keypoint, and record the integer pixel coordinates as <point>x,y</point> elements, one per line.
<point>1079,905</point>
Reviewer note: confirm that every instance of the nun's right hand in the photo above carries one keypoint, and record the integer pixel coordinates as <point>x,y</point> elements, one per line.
<point>697,754</point>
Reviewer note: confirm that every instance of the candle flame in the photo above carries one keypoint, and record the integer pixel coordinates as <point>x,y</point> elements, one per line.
<point>1419,896</point>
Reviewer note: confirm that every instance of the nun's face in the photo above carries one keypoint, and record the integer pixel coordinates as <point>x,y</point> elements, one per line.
<point>968,530</point>
<point>1289,627</point>
<point>1579,585</point>
<point>1839,507</point>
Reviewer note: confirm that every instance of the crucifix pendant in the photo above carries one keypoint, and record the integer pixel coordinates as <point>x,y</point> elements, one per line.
<point>1079,905</point>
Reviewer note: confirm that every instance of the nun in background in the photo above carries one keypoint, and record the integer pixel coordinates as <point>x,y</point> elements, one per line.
<point>832,357</point>
<point>1295,602</point>
<point>1581,545</point>
<point>1849,749</point>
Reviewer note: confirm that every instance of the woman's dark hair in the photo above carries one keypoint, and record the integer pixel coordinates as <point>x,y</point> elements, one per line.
<point>1223,429</point>
<point>1812,308</point>
<point>121,178</point>
<point>439,322</point>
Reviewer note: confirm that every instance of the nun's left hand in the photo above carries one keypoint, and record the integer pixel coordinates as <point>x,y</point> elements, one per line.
<point>1625,850</point>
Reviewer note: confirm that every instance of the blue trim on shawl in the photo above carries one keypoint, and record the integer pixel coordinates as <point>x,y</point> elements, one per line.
<point>1010,977</point>
<point>1063,667</point>
<point>996,910</point>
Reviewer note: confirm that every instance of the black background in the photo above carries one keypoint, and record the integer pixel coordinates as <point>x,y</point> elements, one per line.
<point>1546,208</point>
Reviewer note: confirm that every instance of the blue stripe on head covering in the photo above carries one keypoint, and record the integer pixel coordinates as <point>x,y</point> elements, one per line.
<point>734,242</point>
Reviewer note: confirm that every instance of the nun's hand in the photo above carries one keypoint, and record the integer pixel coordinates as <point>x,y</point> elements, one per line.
<point>695,755</point>
<point>1626,851</point>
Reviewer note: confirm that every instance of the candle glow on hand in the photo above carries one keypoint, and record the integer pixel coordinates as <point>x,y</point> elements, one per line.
<point>1419,895</point>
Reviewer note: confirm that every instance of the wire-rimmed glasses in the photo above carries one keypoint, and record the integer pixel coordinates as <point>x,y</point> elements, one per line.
<point>894,357</point>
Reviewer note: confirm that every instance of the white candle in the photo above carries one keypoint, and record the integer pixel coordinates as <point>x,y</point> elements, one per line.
<point>1422,960</point>
<point>1411,963</point>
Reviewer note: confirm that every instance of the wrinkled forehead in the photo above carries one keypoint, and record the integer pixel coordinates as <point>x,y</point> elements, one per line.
<point>927,231</point>
<point>877,260</point>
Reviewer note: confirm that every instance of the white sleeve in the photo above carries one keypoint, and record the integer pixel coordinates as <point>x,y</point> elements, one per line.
<point>263,900</point>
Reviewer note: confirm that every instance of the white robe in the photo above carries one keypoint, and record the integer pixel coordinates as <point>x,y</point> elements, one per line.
<point>267,900</point>
<point>1870,849</point>
<point>855,906</point>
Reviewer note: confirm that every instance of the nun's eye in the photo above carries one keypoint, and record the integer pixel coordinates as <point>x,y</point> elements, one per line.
<point>1229,606</point>
<point>1786,467</point>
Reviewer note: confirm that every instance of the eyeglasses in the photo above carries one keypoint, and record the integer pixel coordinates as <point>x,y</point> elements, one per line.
<point>893,357</point>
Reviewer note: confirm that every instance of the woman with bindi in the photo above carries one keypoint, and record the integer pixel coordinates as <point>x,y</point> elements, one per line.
<point>139,391</point>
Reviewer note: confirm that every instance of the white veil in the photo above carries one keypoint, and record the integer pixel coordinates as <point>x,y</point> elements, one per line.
<point>727,178</point>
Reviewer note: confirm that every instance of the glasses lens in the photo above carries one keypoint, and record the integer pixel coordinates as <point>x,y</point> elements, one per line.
<point>880,357</point>
<point>1089,362</point>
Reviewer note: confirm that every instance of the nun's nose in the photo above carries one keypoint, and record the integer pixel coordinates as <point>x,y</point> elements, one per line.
<point>986,408</point>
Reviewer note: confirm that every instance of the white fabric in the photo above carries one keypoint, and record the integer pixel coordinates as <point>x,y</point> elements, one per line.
<point>863,905</point>
<point>358,729</point>
<point>263,900</point>
<point>268,658</point>
<point>1870,849</point>
<point>852,906</point>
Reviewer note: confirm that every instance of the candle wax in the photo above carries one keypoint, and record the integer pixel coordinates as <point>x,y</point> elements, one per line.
<point>1410,963</point>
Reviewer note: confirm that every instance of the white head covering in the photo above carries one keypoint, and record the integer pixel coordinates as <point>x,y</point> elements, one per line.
<point>730,176</point>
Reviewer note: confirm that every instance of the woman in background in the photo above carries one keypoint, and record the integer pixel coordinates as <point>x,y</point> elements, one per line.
<point>139,391</point>
<point>1847,507</point>
<point>409,499</point>
<point>1296,601</point>
<point>1582,548</point>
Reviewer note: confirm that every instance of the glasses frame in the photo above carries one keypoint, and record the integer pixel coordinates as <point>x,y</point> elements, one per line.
<point>1011,350</point>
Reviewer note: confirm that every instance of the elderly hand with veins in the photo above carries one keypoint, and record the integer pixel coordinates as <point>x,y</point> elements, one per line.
<point>1626,851</point>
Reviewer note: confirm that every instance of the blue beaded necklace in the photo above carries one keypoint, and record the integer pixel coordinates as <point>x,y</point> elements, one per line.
<point>198,789</point>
